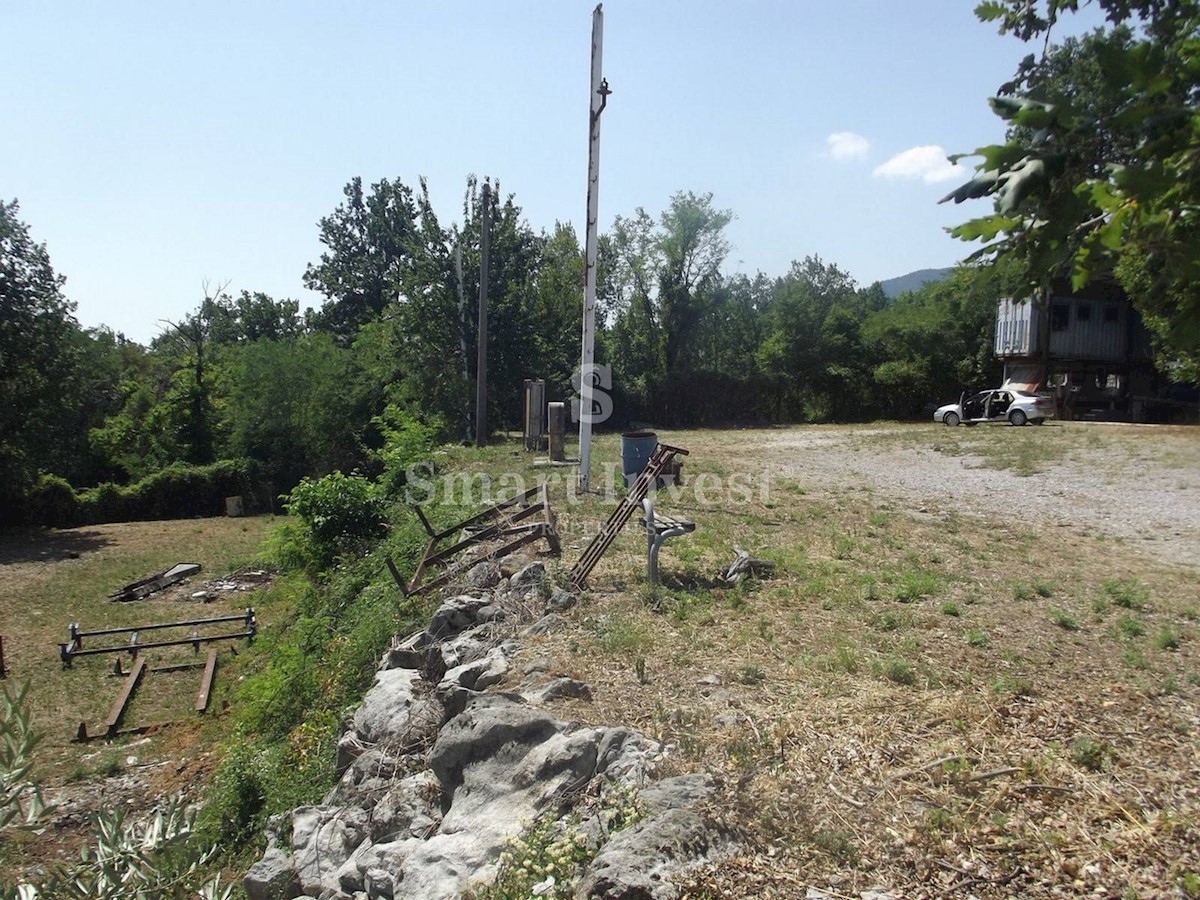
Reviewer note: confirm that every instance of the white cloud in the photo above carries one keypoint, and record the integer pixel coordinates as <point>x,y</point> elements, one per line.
<point>928,163</point>
<point>844,145</point>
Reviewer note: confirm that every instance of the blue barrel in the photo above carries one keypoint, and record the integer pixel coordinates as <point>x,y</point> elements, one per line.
<point>636,448</point>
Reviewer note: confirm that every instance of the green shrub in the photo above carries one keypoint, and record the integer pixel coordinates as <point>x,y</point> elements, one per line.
<point>183,491</point>
<point>338,512</point>
<point>103,503</point>
<point>407,440</point>
<point>1091,754</point>
<point>311,667</point>
<point>1128,593</point>
<point>179,491</point>
<point>52,501</point>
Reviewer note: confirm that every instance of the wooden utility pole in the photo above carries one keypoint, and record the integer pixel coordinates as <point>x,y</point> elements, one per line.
<point>485,228</point>
<point>599,98</point>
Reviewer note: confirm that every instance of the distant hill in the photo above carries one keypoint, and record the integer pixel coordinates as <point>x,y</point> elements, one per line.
<point>894,287</point>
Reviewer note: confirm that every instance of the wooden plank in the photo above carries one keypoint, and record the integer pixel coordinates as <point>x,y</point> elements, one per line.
<point>123,698</point>
<point>137,590</point>
<point>206,681</point>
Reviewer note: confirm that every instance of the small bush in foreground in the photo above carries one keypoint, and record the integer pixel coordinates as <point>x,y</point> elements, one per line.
<point>547,859</point>
<point>1127,593</point>
<point>337,512</point>
<point>1090,753</point>
<point>1063,621</point>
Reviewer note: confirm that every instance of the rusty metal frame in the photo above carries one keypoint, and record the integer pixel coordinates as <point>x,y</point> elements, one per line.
<point>660,460</point>
<point>507,521</point>
<point>68,650</point>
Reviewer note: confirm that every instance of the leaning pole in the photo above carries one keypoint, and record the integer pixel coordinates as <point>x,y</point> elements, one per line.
<point>599,97</point>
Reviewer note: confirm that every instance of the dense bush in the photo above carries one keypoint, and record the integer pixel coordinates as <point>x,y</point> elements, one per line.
<point>336,514</point>
<point>179,491</point>
<point>52,501</point>
<point>406,440</point>
<point>182,491</point>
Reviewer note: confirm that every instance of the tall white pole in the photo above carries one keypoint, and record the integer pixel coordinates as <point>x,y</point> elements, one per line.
<point>599,97</point>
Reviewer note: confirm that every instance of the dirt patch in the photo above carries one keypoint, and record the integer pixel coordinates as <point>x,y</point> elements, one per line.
<point>1139,484</point>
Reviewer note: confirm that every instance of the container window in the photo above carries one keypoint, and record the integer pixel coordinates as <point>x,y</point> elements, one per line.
<point>1060,317</point>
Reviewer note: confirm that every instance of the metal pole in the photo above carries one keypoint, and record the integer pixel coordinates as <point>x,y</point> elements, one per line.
<point>485,227</point>
<point>599,98</point>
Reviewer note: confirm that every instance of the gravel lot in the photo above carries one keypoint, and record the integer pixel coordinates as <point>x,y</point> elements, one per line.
<point>1137,483</point>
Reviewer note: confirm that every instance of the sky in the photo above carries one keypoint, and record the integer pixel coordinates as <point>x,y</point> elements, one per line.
<point>158,147</point>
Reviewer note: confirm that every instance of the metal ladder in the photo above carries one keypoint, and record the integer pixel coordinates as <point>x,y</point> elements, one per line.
<point>659,460</point>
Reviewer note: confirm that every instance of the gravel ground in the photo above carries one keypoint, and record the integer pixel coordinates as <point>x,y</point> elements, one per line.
<point>1143,490</point>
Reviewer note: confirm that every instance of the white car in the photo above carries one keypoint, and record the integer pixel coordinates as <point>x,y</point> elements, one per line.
<point>1004,404</point>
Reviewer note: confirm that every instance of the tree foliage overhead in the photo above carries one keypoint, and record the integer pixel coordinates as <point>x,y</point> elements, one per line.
<point>1100,172</point>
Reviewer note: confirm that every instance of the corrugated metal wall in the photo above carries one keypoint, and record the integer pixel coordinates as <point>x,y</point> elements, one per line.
<point>1088,329</point>
<point>1016,328</point>
<point>1080,328</point>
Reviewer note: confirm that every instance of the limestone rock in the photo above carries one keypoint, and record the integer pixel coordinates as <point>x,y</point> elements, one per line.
<point>477,675</point>
<point>465,648</point>
<point>558,689</point>
<point>396,711</point>
<point>410,653</point>
<point>272,877</point>
<point>410,800</point>
<point>530,578</point>
<point>561,600</point>
<point>455,615</point>
<point>483,575</point>
<point>544,625</point>
<point>323,838</point>
<point>637,863</point>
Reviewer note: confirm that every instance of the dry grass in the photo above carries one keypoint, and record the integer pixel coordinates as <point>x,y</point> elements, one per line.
<point>866,737</point>
<point>50,579</point>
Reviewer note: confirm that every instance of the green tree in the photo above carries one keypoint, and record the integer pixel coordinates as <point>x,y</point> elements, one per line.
<point>663,277</point>
<point>810,351</point>
<point>369,247</point>
<point>297,406</point>
<point>557,311</point>
<point>931,344</point>
<point>39,357</point>
<point>1101,169</point>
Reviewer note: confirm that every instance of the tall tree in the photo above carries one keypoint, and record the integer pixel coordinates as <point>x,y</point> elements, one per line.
<point>663,281</point>
<point>811,336</point>
<point>38,355</point>
<point>369,240</point>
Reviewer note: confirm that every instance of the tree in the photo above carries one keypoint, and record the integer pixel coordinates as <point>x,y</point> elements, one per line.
<point>1100,171</point>
<point>189,414</point>
<point>296,406</point>
<point>663,279</point>
<point>810,349</point>
<point>39,356</point>
<point>692,246</point>
<point>936,341</point>
<point>369,239</point>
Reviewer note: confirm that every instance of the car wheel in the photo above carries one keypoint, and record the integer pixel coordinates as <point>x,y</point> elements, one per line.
<point>950,419</point>
<point>1017,417</point>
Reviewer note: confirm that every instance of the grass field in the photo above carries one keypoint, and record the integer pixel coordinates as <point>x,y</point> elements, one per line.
<point>50,579</point>
<point>920,697</point>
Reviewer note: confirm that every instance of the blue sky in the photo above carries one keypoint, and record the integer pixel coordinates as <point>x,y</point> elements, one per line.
<point>156,146</point>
